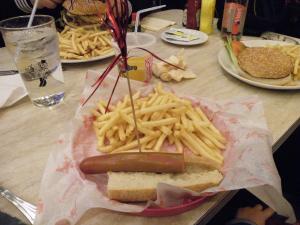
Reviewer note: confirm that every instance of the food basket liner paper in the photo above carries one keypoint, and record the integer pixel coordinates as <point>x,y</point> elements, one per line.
<point>66,193</point>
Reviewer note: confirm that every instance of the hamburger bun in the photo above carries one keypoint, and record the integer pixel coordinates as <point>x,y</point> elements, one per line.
<point>279,81</point>
<point>83,12</point>
<point>266,65</point>
<point>85,7</point>
<point>269,63</point>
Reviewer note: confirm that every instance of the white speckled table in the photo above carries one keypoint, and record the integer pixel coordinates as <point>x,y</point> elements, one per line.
<point>26,132</point>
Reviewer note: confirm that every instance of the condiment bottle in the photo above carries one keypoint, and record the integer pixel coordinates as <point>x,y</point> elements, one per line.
<point>207,16</point>
<point>193,7</point>
<point>234,18</point>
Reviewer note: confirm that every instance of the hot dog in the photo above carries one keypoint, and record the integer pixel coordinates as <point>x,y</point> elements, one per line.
<point>157,162</point>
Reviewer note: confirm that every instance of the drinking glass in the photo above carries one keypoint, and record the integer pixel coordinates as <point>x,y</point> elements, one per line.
<point>36,55</point>
<point>234,16</point>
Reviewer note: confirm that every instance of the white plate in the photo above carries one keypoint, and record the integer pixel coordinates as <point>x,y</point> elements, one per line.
<point>203,38</point>
<point>227,65</point>
<point>88,60</point>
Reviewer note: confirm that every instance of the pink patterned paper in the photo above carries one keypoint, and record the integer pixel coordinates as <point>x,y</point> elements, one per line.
<point>66,193</point>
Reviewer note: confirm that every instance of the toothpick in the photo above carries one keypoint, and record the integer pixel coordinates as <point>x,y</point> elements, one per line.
<point>133,112</point>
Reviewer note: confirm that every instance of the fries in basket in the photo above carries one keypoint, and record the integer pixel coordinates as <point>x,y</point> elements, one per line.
<point>161,116</point>
<point>84,42</point>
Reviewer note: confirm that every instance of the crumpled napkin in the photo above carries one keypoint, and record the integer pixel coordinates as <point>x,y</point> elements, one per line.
<point>12,89</point>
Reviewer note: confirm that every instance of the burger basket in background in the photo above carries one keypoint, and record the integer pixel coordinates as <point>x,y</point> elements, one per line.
<point>268,62</point>
<point>275,65</point>
<point>83,36</point>
<point>83,12</point>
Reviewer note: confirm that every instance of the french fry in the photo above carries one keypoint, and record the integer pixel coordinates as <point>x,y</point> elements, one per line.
<point>130,138</point>
<point>152,99</point>
<point>187,144</point>
<point>109,134</point>
<point>211,137</point>
<point>204,146</point>
<point>159,142</point>
<point>74,43</point>
<point>103,43</point>
<point>106,149</point>
<point>184,121</point>
<point>108,42</point>
<point>171,139</point>
<point>165,130</point>
<point>157,123</point>
<point>96,113</point>
<point>80,48</point>
<point>146,131</point>
<point>196,148</point>
<point>178,144</point>
<point>133,144</point>
<point>129,130</point>
<point>109,124</point>
<point>101,108</point>
<point>151,144</point>
<point>156,108</point>
<point>193,116</point>
<point>296,66</point>
<point>101,141</point>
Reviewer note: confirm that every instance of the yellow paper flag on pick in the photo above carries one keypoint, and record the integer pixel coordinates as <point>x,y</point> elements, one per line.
<point>141,68</point>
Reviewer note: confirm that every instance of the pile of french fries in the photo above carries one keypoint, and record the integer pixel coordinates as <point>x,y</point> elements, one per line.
<point>293,51</point>
<point>84,42</point>
<point>161,116</point>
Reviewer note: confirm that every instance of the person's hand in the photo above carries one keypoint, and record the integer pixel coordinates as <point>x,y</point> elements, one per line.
<point>255,214</point>
<point>50,4</point>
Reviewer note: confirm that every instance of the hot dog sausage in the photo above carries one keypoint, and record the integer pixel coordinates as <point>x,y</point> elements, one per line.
<point>157,162</point>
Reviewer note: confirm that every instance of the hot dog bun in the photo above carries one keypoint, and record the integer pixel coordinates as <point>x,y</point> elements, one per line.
<point>141,186</point>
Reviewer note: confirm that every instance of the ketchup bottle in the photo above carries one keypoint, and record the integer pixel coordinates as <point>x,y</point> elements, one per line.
<point>193,7</point>
<point>234,16</point>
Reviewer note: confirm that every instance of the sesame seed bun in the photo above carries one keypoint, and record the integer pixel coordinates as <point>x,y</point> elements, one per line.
<point>85,7</point>
<point>266,63</point>
<point>278,81</point>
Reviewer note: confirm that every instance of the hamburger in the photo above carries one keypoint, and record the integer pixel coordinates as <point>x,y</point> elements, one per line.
<point>266,65</point>
<point>83,12</point>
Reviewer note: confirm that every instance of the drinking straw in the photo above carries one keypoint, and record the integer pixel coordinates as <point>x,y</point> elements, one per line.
<point>143,11</point>
<point>32,13</point>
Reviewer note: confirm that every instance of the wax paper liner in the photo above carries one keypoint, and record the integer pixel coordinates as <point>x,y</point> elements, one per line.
<point>66,193</point>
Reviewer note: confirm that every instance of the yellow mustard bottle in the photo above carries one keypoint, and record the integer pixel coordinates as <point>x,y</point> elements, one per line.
<point>207,16</point>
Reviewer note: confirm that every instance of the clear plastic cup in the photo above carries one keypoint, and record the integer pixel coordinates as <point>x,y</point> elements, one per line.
<point>139,61</point>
